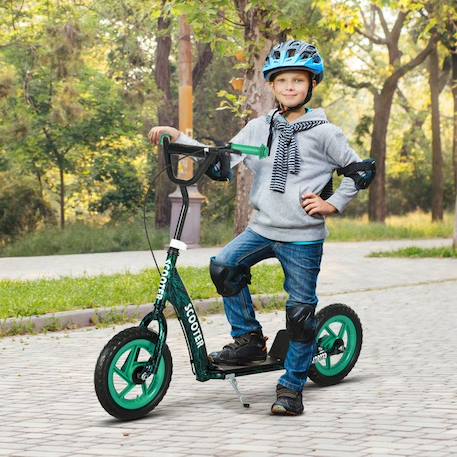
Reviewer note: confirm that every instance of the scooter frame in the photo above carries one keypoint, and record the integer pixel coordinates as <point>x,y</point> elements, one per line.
<point>171,289</point>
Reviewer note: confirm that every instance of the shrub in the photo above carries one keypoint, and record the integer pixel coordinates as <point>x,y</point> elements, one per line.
<point>22,208</point>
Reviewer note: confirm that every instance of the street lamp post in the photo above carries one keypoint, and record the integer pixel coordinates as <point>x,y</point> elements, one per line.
<point>191,231</point>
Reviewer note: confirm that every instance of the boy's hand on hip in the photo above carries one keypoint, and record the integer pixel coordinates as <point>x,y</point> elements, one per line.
<point>315,205</point>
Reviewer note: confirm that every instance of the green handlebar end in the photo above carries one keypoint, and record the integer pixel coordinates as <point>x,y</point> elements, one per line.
<point>260,151</point>
<point>163,136</point>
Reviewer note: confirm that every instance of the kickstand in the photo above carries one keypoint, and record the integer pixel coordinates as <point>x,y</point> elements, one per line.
<point>234,383</point>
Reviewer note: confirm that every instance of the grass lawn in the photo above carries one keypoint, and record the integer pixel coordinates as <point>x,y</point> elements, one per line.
<point>443,252</point>
<point>28,298</point>
<point>415,225</point>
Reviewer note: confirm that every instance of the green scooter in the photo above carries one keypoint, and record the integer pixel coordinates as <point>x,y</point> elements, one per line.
<point>134,369</point>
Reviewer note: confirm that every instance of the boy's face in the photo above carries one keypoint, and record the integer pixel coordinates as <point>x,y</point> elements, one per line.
<point>290,87</point>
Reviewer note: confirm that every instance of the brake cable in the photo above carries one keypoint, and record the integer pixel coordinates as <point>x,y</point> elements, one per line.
<point>146,196</point>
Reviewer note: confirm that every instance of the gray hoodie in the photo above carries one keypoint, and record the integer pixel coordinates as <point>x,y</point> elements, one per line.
<point>279,216</point>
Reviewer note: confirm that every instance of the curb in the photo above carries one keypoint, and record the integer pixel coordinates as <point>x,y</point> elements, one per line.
<point>117,314</point>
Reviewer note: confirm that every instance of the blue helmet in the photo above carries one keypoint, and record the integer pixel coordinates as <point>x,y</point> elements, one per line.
<point>294,55</point>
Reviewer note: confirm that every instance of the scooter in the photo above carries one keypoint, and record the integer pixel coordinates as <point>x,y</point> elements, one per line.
<point>134,369</point>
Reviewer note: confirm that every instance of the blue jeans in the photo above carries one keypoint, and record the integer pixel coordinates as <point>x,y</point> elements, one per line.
<point>301,266</point>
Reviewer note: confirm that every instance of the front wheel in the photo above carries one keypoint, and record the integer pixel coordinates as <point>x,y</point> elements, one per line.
<point>339,334</point>
<point>117,384</point>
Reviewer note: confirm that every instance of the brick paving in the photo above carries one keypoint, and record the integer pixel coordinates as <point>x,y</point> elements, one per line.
<point>400,399</point>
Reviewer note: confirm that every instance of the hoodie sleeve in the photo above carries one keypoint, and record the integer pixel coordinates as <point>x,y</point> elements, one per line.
<point>339,154</point>
<point>242,137</point>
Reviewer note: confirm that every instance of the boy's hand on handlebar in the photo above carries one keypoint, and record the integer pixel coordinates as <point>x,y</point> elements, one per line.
<point>315,205</point>
<point>156,132</point>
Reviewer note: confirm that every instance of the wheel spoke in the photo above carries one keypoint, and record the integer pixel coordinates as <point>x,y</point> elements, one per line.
<point>342,330</point>
<point>144,388</point>
<point>127,390</point>
<point>330,331</point>
<point>123,375</point>
<point>327,362</point>
<point>131,359</point>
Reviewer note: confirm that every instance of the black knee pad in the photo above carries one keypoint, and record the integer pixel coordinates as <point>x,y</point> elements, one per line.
<point>229,280</point>
<point>301,323</point>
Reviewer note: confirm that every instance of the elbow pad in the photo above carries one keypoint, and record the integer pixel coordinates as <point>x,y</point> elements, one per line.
<point>220,170</point>
<point>362,173</point>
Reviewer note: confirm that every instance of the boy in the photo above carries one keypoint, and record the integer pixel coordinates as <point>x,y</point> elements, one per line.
<point>305,149</point>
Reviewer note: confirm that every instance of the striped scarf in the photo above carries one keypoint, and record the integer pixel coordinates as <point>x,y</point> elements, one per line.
<point>287,158</point>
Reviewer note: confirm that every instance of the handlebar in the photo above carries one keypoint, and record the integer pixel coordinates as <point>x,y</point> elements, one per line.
<point>207,153</point>
<point>169,148</point>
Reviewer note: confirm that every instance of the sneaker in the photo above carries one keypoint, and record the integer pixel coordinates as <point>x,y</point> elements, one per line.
<point>288,402</point>
<point>245,349</point>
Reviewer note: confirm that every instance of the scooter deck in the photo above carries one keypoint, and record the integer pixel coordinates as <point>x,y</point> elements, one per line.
<point>274,360</point>
<point>269,364</point>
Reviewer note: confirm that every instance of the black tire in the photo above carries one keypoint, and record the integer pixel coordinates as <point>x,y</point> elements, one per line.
<point>107,373</point>
<point>327,376</point>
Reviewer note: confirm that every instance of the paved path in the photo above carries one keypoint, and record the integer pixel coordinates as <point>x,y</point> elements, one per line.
<point>120,262</point>
<point>400,399</point>
<point>345,267</point>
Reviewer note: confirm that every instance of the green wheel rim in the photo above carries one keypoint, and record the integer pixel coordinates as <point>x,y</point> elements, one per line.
<point>347,332</point>
<point>123,390</point>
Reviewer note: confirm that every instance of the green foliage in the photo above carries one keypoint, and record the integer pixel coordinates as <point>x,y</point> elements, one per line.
<point>218,233</point>
<point>22,208</point>
<point>58,102</point>
<point>77,93</point>
<point>125,235</point>
<point>233,103</point>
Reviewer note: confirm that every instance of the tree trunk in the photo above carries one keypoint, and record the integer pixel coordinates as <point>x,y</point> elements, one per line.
<point>377,208</point>
<point>205,57</point>
<point>437,156</point>
<point>167,115</point>
<point>454,242</point>
<point>259,39</point>
<point>454,142</point>
<point>168,110</point>
<point>259,101</point>
<point>454,95</point>
<point>62,195</point>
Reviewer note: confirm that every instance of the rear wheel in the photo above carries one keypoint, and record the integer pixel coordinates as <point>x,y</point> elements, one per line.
<point>339,334</point>
<point>117,383</point>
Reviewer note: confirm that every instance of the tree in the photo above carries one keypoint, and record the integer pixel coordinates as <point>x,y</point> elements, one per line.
<point>452,27</point>
<point>383,92</point>
<point>259,35</point>
<point>61,99</point>
<point>252,28</point>
<point>437,155</point>
<point>449,39</point>
<point>168,110</point>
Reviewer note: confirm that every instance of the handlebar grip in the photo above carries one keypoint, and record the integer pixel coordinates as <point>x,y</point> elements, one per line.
<point>163,136</point>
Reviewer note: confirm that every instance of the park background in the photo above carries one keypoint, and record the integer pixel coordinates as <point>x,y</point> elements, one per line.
<point>82,82</point>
